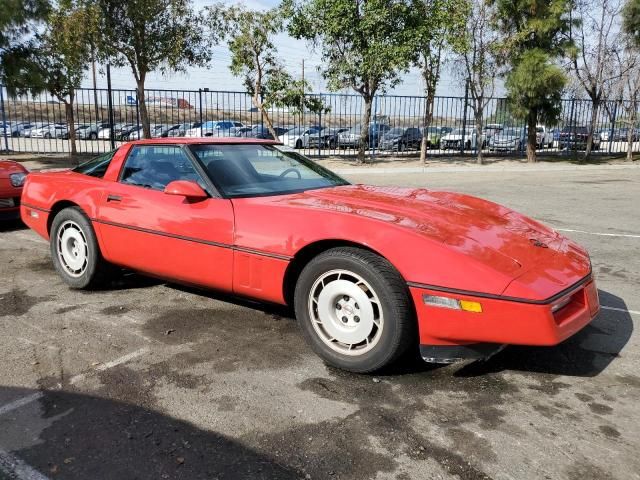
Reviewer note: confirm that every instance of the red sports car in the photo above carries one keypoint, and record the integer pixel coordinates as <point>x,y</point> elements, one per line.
<point>370,271</point>
<point>12,176</point>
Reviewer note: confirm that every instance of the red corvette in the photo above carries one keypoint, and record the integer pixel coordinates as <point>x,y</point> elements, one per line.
<point>370,271</point>
<point>12,177</point>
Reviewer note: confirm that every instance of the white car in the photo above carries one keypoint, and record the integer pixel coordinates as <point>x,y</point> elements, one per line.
<point>544,137</point>
<point>453,139</point>
<point>298,137</point>
<point>50,131</point>
<point>214,128</point>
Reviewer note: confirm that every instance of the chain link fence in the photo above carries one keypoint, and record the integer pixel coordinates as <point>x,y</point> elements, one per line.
<point>38,124</point>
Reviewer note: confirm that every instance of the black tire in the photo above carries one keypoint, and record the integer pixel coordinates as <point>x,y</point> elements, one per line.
<point>46,135</point>
<point>298,144</point>
<point>398,325</point>
<point>97,271</point>
<point>93,136</point>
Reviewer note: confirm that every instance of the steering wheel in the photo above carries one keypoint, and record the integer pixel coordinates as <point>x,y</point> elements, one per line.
<point>288,170</point>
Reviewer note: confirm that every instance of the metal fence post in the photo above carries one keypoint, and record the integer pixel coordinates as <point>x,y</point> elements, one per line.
<point>4,119</point>
<point>110,106</point>
<point>613,124</point>
<point>464,117</point>
<point>200,108</point>
<point>320,125</point>
<point>375,127</point>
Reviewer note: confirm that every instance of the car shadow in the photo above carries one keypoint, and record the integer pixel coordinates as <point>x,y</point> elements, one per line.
<point>77,436</point>
<point>586,354</point>
<point>12,226</point>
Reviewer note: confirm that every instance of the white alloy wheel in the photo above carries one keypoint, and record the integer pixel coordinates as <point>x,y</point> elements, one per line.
<point>72,249</point>
<point>346,312</point>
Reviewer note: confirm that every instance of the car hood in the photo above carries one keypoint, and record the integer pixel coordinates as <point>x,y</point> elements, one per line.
<point>506,138</point>
<point>496,236</point>
<point>7,167</point>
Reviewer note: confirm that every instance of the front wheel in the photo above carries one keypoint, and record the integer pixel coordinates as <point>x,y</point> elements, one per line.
<point>354,309</point>
<point>75,252</point>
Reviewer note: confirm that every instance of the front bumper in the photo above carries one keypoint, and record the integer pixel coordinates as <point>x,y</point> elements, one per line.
<point>505,320</point>
<point>10,208</point>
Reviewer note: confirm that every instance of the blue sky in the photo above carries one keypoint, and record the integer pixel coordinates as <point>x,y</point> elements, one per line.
<point>291,52</point>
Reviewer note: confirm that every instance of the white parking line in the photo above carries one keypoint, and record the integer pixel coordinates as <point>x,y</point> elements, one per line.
<point>20,402</point>
<point>75,379</point>
<point>626,235</point>
<point>16,468</point>
<point>615,309</point>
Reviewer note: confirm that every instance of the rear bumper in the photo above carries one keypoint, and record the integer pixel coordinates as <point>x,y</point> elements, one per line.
<point>506,321</point>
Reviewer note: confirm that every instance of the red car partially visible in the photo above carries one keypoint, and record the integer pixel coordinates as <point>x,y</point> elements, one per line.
<point>12,178</point>
<point>370,271</point>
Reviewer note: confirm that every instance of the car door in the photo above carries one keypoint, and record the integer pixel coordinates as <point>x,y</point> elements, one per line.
<point>145,229</point>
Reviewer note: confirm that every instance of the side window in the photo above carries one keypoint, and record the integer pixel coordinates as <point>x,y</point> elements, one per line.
<point>155,166</point>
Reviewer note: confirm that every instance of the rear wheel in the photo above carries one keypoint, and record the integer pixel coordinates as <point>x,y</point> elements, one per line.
<point>75,251</point>
<point>354,309</point>
<point>298,144</point>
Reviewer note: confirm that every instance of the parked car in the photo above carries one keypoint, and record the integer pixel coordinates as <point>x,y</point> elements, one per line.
<point>50,131</point>
<point>434,135</point>
<point>401,139</point>
<point>508,140</point>
<point>16,129</point>
<point>105,132</point>
<point>453,140</point>
<point>217,128</point>
<point>370,272</point>
<point>325,138</point>
<point>26,131</point>
<point>89,131</point>
<point>138,133</point>
<point>298,137</point>
<point>262,132</point>
<point>544,137</point>
<point>12,177</point>
<point>351,138</point>
<point>575,137</point>
<point>182,129</point>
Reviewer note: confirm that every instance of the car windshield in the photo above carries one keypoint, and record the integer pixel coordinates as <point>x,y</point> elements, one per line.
<point>510,132</point>
<point>251,170</point>
<point>396,131</point>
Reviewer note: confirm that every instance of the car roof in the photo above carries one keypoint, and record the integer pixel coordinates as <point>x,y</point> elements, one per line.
<point>203,141</point>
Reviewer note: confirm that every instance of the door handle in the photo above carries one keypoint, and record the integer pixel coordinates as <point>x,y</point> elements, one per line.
<point>113,198</point>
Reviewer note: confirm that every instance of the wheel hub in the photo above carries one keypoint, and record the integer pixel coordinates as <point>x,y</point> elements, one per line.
<point>346,312</point>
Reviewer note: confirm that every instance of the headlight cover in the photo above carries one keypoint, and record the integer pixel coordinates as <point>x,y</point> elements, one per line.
<point>17,179</point>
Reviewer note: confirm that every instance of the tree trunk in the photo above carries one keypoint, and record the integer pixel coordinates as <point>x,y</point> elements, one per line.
<point>479,136</point>
<point>428,118</point>
<point>68,110</point>
<point>630,140</point>
<point>142,107</point>
<point>363,142</point>
<point>532,119</point>
<point>595,107</point>
<point>265,115</point>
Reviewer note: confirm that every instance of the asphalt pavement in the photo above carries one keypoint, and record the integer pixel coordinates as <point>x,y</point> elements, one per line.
<point>149,380</point>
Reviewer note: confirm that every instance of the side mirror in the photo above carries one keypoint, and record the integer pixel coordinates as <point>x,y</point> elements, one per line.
<point>185,188</point>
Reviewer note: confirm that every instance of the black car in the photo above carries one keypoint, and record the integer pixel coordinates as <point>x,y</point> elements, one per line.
<point>262,132</point>
<point>401,139</point>
<point>326,137</point>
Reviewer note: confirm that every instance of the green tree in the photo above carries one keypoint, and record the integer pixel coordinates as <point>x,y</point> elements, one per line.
<point>536,34</point>
<point>631,20</point>
<point>365,44</point>
<point>250,36</point>
<point>149,35</point>
<point>18,19</point>
<point>435,26</point>
<point>59,59</point>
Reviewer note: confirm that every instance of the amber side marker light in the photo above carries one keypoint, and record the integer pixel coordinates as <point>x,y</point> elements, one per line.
<point>453,303</point>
